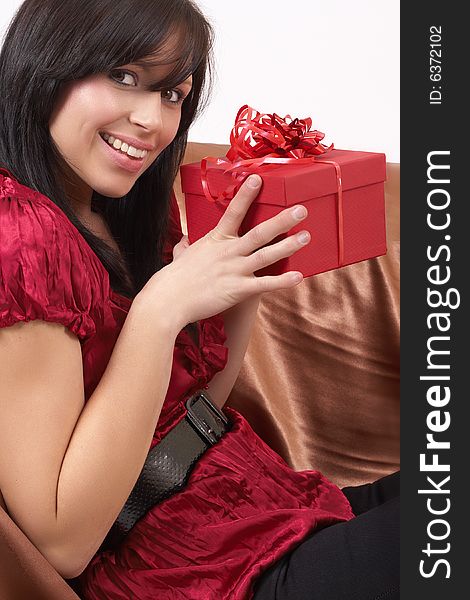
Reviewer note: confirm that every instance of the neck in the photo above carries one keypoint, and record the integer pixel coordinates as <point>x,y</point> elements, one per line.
<point>79,194</point>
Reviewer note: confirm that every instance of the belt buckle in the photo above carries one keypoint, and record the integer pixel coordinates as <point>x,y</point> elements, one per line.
<point>200,423</point>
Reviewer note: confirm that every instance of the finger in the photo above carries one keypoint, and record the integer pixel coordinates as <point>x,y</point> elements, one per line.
<point>266,231</point>
<point>271,254</point>
<point>272,283</point>
<point>220,237</point>
<point>233,216</point>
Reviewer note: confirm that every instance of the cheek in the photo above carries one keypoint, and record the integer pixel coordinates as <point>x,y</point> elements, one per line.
<point>171,128</point>
<point>80,108</point>
<point>167,134</point>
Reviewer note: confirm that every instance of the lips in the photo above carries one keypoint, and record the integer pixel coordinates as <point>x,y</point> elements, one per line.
<point>123,160</point>
<point>124,147</point>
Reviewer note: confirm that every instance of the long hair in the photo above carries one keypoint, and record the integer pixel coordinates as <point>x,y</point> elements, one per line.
<point>50,42</point>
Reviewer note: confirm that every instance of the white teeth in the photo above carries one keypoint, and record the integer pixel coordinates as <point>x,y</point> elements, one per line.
<point>117,144</point>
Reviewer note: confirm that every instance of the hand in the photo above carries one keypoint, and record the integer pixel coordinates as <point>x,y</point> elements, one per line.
<point>217,271</point>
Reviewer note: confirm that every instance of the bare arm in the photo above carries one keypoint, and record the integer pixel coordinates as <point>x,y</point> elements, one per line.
<point>238,324</point>
<point>67,469</point>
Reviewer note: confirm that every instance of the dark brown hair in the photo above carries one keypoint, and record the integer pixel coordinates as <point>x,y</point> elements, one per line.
<point>50,42</point>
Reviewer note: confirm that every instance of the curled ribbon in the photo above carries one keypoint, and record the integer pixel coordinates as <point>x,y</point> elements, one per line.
<point>259,139</point>
<point>256,134</point>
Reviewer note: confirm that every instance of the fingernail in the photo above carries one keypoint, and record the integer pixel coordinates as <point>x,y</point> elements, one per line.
<point>254,181</point>
<point>303,237</point>
<point>299,212</point>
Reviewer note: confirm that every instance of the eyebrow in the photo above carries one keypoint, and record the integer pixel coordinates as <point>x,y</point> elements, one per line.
<point>147,66</point>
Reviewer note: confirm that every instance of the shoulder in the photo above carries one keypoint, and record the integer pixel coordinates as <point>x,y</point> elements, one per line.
<point>45,272</point>
<point>28,212</point>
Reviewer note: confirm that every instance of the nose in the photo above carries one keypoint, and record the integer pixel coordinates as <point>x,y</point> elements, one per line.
<point>146,111</point>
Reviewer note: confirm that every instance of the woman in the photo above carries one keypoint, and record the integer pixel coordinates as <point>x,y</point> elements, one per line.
<point>119,322</point>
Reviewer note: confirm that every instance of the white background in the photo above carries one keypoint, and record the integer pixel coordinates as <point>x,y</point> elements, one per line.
<point>336,61</point>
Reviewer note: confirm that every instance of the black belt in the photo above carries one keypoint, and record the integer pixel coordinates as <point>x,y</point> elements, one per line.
<point>169,463</point>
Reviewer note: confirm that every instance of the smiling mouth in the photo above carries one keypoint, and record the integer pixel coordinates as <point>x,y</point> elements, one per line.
<point>123,147</point>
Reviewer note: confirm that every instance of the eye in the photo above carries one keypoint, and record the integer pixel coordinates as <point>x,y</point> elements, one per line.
<point>124,77</point>
<point>172,96</point>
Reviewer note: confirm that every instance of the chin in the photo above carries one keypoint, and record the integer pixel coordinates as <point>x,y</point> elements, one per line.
<point>114,191</point>
<point>116,195</point>
<point>116,185</point>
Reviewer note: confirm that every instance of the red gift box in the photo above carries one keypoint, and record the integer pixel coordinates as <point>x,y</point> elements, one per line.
<point>345,227</point>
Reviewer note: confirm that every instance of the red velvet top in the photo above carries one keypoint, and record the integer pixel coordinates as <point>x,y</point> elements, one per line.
<point>243,507</point>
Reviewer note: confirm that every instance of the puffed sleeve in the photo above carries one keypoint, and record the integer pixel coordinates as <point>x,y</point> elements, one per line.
<point>43,270</point>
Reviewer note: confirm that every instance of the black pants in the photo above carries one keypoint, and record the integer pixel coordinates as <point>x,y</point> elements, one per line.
<point>355,560</point>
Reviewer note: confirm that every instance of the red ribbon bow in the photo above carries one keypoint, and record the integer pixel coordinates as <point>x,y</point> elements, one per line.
<point>259,139</point>
<point>263,135</point>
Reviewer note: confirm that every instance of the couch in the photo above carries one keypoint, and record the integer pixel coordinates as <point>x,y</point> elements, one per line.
<point>320,380</point>
<point>320,384</point>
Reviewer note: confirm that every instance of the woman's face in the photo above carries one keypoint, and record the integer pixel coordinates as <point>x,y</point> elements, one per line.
<point>110,127</point>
